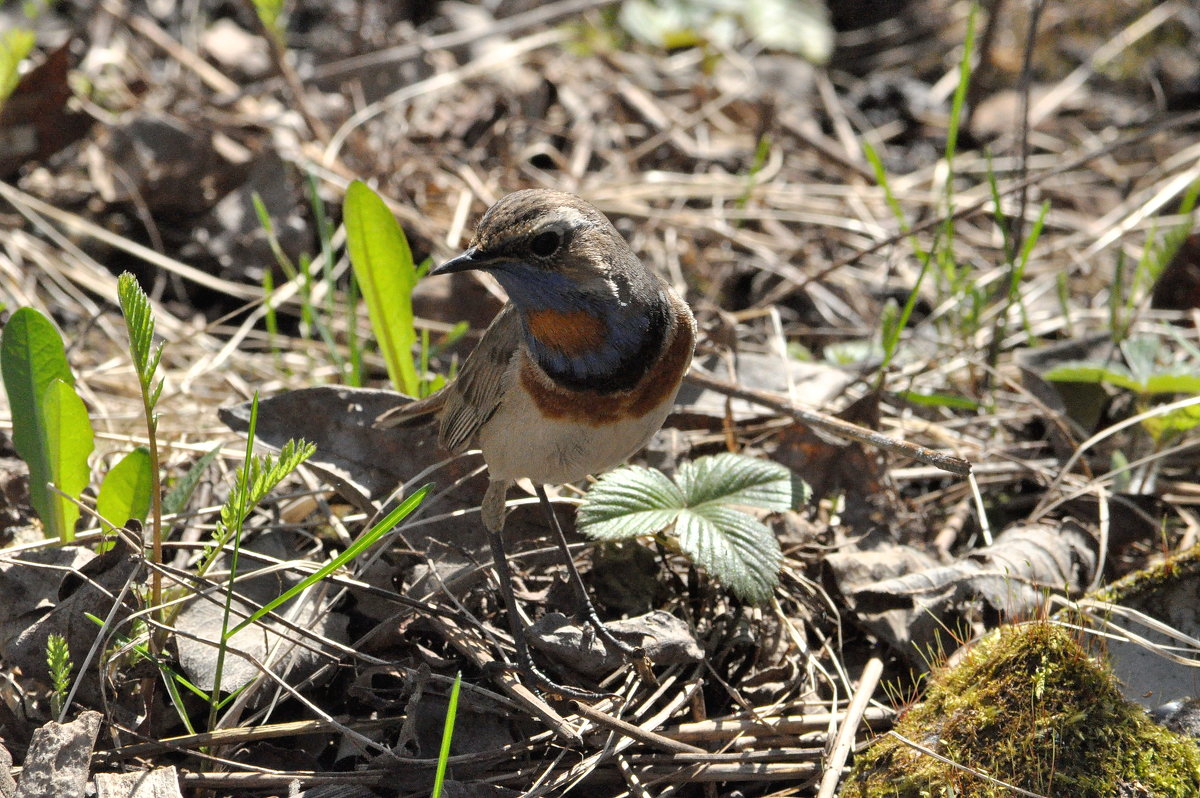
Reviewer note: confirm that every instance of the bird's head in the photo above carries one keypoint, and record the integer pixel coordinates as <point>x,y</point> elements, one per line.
<point>552,251</point>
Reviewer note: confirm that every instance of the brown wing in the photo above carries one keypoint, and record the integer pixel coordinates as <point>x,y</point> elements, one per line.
<point>476,393</point>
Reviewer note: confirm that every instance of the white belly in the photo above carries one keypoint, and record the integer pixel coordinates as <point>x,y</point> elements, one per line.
<point>517,442</point>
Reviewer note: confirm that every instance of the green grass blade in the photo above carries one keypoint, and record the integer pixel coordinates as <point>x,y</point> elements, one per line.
<point>960,93</point>
<point>354,364</point>
<point>439,776</point>
<point>1163,252</point>
<point>356,548</point>
<point>1031,241</point>
<point>998,209</point>
<point>177,702</point>
<point>325,230</point>
<point>177,498</point>
<point>891,340</point>
<point>939,400</point>
<point>233,514</point>
<point>881,177</point>
<point>383,264</point>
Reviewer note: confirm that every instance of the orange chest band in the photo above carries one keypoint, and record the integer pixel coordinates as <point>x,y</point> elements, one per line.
<point>572,333</point>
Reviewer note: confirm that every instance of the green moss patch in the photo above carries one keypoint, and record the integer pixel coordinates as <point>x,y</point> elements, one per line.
<point>1140,583</point>
<point>1029,707</point>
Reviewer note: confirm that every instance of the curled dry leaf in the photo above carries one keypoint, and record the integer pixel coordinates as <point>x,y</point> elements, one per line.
<point>1012,577</point>
<point>664,638</point>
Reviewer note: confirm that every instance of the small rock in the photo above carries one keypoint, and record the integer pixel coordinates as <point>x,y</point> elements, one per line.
<point>59,759</point>
<point>235,49</point>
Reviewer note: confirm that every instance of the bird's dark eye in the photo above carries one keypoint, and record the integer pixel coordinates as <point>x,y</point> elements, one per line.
<point>545,244</point>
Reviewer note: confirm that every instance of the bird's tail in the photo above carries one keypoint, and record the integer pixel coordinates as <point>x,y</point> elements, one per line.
<point>413,412</point>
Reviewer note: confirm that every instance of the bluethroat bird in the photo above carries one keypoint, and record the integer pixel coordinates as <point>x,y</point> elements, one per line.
<point>572,377</point>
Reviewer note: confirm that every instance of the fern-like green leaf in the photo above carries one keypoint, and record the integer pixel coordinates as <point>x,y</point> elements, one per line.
<point>58,660</point>
<point>139,322</point>
<point>262,475</point>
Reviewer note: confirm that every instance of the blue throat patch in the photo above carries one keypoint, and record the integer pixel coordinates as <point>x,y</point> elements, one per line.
<point>632,332</point>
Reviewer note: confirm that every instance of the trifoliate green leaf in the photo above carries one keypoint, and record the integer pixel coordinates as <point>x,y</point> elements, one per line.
<point>702,505</point>
<point>630,502</point>
<point>736,548</point>
<point>735,479</point>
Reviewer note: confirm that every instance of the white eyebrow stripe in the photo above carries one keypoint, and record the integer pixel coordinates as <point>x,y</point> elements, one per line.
<point>569,214</point>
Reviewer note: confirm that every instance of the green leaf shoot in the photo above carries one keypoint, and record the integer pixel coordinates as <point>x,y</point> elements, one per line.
<point>58,661</point>
<point>125,490</point>
<point>439,776</point>
<point>139,322</point>
<point>383,266</point>
<point>68,442</point>
<point>1175,422</point>
<point>51,431</point>
<point>15,45</point>
<point>269,12</point>
<point>937,399</point>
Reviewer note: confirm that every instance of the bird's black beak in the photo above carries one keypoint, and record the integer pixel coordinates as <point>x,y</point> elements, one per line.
<point>471,259</point>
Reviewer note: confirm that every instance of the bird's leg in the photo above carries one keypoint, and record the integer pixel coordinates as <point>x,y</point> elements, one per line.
<point>634,653</point>
<point>493,522</point>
